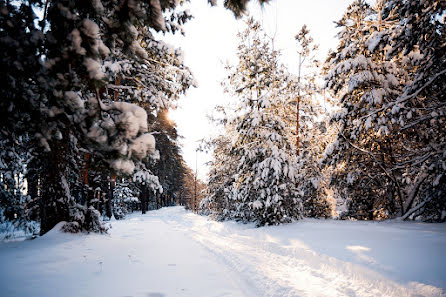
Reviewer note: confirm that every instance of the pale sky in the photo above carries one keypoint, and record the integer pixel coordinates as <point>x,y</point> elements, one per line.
<point>211,41</point>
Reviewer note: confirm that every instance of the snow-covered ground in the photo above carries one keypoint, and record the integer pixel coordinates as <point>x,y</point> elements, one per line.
<point>171,252</point>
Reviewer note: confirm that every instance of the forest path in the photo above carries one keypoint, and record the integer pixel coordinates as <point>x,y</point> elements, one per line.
<point>172,252</point>
<point>143,256</point>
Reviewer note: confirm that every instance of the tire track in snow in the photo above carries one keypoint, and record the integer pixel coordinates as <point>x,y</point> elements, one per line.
<point>273,269</point>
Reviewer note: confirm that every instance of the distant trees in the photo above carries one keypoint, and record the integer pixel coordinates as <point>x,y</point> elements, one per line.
<point>223,165</point>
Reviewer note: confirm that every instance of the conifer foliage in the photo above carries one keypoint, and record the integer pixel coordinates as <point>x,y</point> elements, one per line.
<point>80,85</point>
<point>380,156</point>
<point>387,73</point>
<point>81,82</point>
<point>262,187</point>
<point>311,130</point>
<point>85,134</point>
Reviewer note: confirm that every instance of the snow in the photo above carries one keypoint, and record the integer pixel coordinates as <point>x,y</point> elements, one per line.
<point>133,31</point>
<point>93,68</point>
<point>171,252</point>
<point>90,28</point>
<point>136,48</point>
<point>157,15</point>
<point>374,40</point>
<point>114,67</point>
<point>144,176</point>
<point>97,4</point>
<point>74,101</point>
<point>132,117</point>
<point>257,204</point>
<point>142,145</point>
<point>76,39</point>
<point>65,11</point>
<point>126,166</point>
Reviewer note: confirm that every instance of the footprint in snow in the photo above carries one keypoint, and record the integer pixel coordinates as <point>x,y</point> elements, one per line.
<point>155,294</point>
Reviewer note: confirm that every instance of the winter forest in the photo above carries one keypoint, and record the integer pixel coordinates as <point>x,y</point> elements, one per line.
<point>324,181</point>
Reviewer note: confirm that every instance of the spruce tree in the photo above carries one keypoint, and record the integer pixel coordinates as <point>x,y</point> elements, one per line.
<point>218,203</point>
<point>264,182</point>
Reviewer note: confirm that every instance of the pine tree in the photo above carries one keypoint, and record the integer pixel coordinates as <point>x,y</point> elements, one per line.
<point>384,166</point>
<point>264,182</point>
<point>169,168</point>
<point>417,36</point>
<point>238,7</point>
<point>125,200</point>
<point>217,203</point>
<point>310,131</point>
<point>69,101</point>
<point>363,83</point>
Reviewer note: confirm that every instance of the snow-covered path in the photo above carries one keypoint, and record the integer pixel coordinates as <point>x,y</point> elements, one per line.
<point>171,252</point>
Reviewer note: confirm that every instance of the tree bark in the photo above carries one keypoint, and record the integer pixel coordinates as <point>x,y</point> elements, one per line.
<point>55,198</point>
<point>108,203</point>
<point>144,199</point>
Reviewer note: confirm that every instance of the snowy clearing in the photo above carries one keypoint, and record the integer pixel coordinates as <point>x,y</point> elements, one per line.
<point>172,252</point>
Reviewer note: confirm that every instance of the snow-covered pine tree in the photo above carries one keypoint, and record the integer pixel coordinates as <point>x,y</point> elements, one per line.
<point>78,48</point>
<point>310,133</point>
<point>69,100</point>
<point>125,200</point>
<point>418,37</point>
<point>20,42</point>
<point>363,82</point>
<point>382,164</point>
<point>264,181</point>
<point>16,206</point>
<point>238,7</point>
<point>223,165</point>
<point>169,168</point>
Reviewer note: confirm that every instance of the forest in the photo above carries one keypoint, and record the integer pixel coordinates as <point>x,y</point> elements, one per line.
<point>85,135</point>
<point>324,180</point>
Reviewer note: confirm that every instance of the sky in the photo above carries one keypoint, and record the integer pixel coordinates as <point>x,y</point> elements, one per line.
<point>210,42</point>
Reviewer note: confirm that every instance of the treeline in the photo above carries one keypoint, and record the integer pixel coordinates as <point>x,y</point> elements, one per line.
<point>360,136</point>
<point>85,92</point>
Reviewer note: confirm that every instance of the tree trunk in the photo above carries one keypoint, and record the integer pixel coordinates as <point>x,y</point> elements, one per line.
<point>90,195</point>
<point>32,179</point>
<point>297,124</point>
<point>144,199</point>
<point>108,203</point>
<point>55,198</point>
